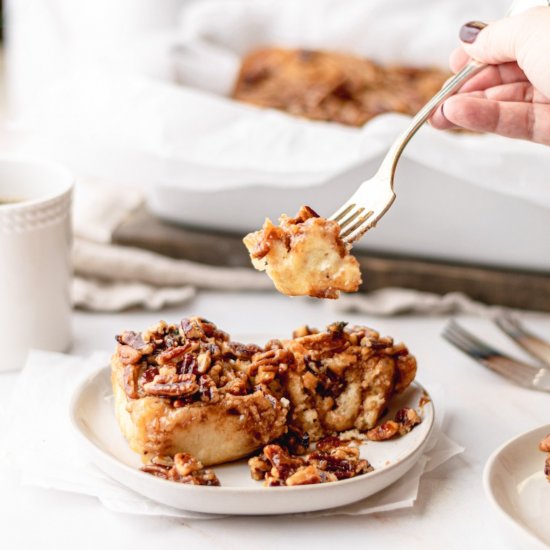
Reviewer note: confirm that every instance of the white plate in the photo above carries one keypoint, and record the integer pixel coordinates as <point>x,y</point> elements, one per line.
<point>515,483</point>
<point>93,416</point>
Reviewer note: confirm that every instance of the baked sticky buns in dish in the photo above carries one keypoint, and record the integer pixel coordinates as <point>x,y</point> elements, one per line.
<point>187,397</point>
<point>332,86</point>
<point>304,256</point>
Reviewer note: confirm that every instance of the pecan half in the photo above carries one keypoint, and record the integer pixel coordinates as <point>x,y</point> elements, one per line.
<point>130,376</point>
<point>544,445</point>
<point>385,431</point>
<point>128,355</point>
<point>172,356</point>
<point>179,385</point>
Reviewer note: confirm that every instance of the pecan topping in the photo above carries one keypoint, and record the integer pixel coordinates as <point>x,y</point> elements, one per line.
<point>277,467</point>
<point>179,385</point>
<point>183,468</point>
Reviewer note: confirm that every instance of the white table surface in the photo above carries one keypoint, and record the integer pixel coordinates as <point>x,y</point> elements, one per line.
<point>482,411</point>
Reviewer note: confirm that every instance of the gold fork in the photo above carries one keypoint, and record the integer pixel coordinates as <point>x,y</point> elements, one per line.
<point>375,196</point>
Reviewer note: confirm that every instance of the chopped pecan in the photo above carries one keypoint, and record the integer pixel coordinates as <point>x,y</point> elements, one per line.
<point>407,419</point>
<point>192,329</point>
<point>186,464</point>
<point>544,445</point>
<point>384,431</point>
<point>295,441</point>
<point>547,467</point>
<point>135,340</point>
<point>188,365</point>
<point>330,442</point>
<point>237,387</point>
<point>128,355</point>
<point>259,467</point>
<point>173,356</point>
<point>180,385</point>
<point>130,377</point>
<point>274,357</point>
<point>283,464</point>
<point>183,468</point>
<point>208,390</point>
<point>204,361</point>
<point>310,475</point>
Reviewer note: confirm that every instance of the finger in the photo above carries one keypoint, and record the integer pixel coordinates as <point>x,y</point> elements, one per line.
<point>517,91</point>
<point>511,119</point>
<point>439,121</point>
<point>458,59</point>
<point>494,75</point>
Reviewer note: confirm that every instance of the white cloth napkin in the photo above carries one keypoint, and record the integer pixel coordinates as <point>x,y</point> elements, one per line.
<point>41,443</point>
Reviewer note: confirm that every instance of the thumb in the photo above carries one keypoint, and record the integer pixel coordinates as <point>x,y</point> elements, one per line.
<point>492,44</point>
<point>523,38</point>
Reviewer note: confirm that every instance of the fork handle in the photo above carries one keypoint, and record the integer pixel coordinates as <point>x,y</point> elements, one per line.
<point>449,88</point>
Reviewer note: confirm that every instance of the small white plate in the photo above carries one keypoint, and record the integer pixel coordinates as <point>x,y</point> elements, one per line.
<point>93,417</point>
<point>515,483</point>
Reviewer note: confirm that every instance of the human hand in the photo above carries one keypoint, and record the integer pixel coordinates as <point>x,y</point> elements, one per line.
<point>512,96</point>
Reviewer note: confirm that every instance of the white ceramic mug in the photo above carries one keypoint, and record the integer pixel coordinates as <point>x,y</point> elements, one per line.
<point>35,271</point>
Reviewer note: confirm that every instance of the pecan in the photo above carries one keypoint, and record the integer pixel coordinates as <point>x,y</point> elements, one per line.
<point>295,441</point>
<point>149,375</point>
<point>303,331</point>
<point>128,355</point>
<point>259,467</point>
<point>242,351</point>
<point>282,463</point>
<point>172,356</point>
<point>183,468</point>
<point>186,464</point>
<point>407,419</point>
<point>329,442</point>
<point>188,365</point>
<point>236,387</point>
<point>192,329</point>
<point>208,390</point>
<point>273,357</point>
<point>310,475</point>
<point>547,468</point>
<point>387,430</point>
<point>266,374</point>
<point>544,445</point>
<point>180,385</point>
<point>204,361</point>
<point>134,340</point>
<point>130,378</point>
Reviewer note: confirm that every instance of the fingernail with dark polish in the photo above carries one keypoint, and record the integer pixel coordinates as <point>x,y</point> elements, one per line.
<point>469,31</point>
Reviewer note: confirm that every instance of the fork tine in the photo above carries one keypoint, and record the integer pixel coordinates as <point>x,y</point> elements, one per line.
<point>339,214</point>
<point>354,213</point>
<point>350,234</point>
<point>482,349</point>
<point>531,343</point>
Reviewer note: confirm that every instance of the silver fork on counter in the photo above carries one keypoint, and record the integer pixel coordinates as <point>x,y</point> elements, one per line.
<point>521,373</point>
<point>375,196</point>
